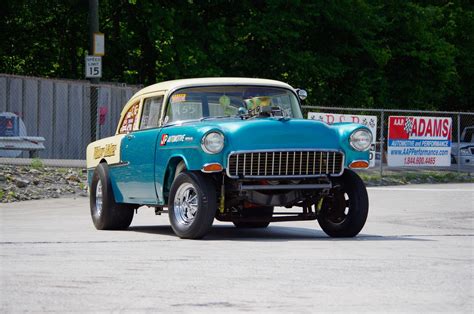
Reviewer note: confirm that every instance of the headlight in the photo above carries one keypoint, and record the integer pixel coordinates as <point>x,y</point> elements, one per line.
<point>361,139</point>
<point>213,142</point>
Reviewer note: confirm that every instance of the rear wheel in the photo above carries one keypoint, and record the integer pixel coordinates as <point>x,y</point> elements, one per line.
<point>344,212</point>
<point>192,205</point>
<point>105,212</point>
<point>260,213</point>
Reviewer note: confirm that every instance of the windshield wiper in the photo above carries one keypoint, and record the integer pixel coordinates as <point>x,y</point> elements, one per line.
<point>214,117</point>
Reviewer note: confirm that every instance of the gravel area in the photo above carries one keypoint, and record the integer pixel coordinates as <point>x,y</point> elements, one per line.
<point>21,183</point>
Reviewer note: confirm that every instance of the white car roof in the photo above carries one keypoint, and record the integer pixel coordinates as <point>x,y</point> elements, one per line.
<point>176,84</point>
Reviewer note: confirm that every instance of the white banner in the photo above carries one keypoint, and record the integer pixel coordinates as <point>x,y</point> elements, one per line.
<point>368,121</point>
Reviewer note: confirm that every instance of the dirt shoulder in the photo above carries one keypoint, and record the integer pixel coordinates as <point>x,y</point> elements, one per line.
<point>21,183</point>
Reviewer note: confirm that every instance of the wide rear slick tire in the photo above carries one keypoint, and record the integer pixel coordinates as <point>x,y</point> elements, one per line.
<point>344,212</point>
<point>258,213</point>
<point>105,212</point>
<point>192,205</point>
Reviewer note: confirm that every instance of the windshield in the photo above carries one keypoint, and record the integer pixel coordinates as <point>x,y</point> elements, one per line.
<point>223,101</point>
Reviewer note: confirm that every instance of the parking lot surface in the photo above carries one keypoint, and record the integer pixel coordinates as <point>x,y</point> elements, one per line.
<point>415,254</point>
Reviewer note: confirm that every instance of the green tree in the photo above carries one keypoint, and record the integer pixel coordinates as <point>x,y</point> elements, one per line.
<point>362,53</point>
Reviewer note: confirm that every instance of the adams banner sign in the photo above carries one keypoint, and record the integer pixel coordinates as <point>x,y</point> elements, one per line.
<point>419,141</point>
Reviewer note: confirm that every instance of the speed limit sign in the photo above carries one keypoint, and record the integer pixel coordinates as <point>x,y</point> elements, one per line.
<point>93,66</point>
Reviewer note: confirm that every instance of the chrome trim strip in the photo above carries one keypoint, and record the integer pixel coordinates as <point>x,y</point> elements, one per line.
<point>294,160</point>
<point>251,163</point>
<point>301,161</point>
<point>368,163</point>
<point>279,165</point>
<point>258,169</point>
<point>273,161</point>
<point>119,164</point>
<point>211,163</point>
<point>243,169</point>
<point>307,162</point>
<point>321,162</point>
<point>287,186</point>
<point>236,166</point>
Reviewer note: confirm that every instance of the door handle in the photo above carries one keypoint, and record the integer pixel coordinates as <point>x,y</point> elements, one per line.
<point>130,136</point>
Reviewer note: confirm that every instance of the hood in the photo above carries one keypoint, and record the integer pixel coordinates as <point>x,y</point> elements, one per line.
<point>271,133</point>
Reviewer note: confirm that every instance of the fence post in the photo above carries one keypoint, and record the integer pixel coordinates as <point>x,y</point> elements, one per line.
<point>381,139</point>
<point>459,142</point>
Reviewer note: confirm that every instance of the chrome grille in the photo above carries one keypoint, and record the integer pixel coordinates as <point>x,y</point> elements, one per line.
<point>287,163</point>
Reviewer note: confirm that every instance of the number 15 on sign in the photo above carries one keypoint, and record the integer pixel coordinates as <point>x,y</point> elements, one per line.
<point>93,66</point>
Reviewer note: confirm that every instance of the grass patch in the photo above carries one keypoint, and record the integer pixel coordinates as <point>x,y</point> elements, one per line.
<point>37,164</point>
<point>414,177</point>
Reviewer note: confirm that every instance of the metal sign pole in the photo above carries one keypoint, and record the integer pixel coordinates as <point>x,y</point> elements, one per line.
<point>93,28</point>
<point>459,142</point>
<point>381,139</point>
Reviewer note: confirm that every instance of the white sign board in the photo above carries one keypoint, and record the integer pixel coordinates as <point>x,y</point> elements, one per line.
<point>368,121</point>
<point>419,141</point>
<point>93,67</point>
<point>99,44</point>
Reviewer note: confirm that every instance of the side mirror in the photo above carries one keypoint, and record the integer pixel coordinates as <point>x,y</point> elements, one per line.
<point>302,94</point>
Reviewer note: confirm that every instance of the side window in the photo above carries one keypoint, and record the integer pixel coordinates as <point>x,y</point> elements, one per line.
<point>130,120</point>
<point>151,112</point>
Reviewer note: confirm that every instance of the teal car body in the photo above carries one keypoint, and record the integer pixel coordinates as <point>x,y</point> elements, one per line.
<point>276,146</point>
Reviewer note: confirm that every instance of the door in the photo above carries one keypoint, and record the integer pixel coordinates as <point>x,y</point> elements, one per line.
<point>137,176</point>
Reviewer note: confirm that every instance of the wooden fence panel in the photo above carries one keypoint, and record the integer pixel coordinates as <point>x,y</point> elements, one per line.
<point>45,116</point>
<point>75,126</point>
<point>30,106</point>
<point>3,94</point>
<point>60,120</point>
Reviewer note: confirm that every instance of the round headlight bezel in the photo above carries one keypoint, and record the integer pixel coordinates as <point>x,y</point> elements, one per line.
<point>356,141</point>
<point>212,136</point>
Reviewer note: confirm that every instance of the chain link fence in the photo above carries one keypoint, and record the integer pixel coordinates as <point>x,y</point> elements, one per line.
<point>460,121</point>
<point>55,120</point>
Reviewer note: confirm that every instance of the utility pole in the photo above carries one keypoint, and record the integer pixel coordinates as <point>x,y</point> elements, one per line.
<point>93,28</point>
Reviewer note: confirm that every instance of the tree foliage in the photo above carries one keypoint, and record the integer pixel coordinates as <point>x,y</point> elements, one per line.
<point>355,53</point>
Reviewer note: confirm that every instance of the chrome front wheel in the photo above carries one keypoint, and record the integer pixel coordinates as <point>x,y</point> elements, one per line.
<point>186,204</point>
<point>192,205</point>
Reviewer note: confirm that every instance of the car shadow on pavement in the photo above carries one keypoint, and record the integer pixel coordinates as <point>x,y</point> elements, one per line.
<point>272,233</point>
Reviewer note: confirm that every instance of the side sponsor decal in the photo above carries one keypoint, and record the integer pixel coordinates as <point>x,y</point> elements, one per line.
<point>104,151</point>
<point>165,138</point>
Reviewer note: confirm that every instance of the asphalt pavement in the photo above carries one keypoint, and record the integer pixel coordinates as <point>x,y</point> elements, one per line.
<point>415,254</point>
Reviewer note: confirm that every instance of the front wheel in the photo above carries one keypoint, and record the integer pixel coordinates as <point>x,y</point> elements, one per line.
<point>192,205</point>
<point>344,212</point>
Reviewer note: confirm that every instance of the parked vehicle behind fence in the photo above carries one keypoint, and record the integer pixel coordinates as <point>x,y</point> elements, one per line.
<point>463,152</point>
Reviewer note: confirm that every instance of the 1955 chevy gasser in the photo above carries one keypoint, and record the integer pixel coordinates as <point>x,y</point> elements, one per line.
<point>230,149</point>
